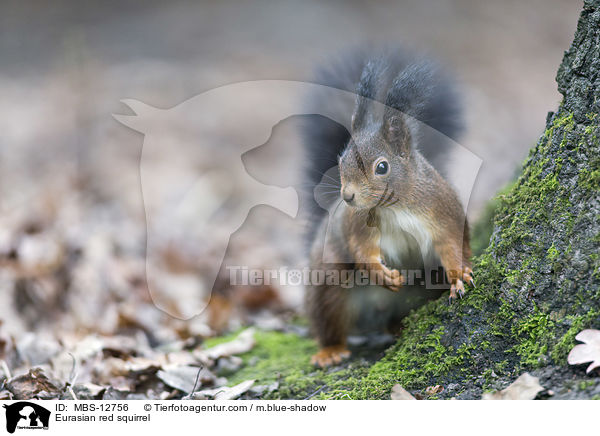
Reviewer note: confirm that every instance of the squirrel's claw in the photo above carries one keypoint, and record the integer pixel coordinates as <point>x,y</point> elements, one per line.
<point>457,289</point>
<point>468,279</point>
<point>467,274</point>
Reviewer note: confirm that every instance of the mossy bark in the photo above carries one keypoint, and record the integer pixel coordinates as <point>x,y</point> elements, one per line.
<point>537,283</point>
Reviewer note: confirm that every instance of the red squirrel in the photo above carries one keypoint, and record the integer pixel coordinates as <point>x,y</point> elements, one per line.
<point>394,211</point>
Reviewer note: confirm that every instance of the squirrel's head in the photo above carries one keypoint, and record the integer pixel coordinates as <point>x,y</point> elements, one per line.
<point>376,166</point>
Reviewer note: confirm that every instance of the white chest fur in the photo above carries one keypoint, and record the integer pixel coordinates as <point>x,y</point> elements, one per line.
<point>403,234</point>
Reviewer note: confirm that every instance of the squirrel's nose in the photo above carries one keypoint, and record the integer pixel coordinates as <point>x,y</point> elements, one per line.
<point>348,197</point>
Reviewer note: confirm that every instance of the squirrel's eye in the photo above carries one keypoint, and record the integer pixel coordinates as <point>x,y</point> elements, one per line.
<point>382,168</point>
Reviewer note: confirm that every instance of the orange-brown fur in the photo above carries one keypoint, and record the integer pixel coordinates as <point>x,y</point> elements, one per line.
<point>397,212</point>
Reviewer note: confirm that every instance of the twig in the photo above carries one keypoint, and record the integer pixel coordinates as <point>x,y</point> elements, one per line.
<point>315,392</point>
<point>72,378</point>
<point>191,394</point>
<point>5,369</point>
<point>73,374</point>
<point>70,388</point>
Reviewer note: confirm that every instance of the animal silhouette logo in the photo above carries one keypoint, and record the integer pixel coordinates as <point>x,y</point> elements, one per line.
<point>204,204</point>
<point>26,415</point>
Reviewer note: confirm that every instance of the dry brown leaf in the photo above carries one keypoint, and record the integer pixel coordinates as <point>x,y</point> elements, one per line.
<point>140,364</point>
<point>399,393</point>
<point>526,387</point>
<point>432,390</point>
<point>34,384</point>
<point>589,351</point>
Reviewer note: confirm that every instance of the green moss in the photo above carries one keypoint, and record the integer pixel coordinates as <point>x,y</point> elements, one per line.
<point>595,262</point>
<point>274,356</point>
<point>553,253</point>
<point>534,335</point>
<point>589,179</point>
<point>536,198</point>
<point>285,358</point>
<point>584,384</point>
<point>566,342</point>
<point>421,355</point>
<point>211,342</point>
<point>483,227</point>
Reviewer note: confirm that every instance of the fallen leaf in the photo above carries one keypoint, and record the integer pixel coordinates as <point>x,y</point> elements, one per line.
<point>91,388</point>
<point>589,351</point>
<point>432,390</point>
<point>184,377</point>
<point>120,346</point>
<point>526,387</point>
<point>262,389</point>
<point>114,394</point>
<point>140,365</point>
<point>225,392</point>
<point>399,393</point>
<point>241,344</point>
<point>36,349</point>
<point>34,384</point>
<point>228,365</point>
<point>235,391</point>
<point>68,363</point>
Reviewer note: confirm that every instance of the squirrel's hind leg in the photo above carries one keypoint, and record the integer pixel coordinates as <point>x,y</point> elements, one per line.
<point>328,356</point>
<point>467,272</point>
<point>327,308</point>
<point>450,253</point>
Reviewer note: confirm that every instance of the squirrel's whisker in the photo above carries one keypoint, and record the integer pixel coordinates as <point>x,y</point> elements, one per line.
<point>388,199</point>
<point>382,195</point>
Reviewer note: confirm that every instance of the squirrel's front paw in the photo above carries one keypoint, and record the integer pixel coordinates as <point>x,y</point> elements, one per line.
<point>457,288</point>
<point>387,277</point>
<point>391,278</point>
<point>328,356</point>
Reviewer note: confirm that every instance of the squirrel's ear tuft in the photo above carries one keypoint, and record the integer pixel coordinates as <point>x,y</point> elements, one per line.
<point>360,116</point>
<point>397,133</point>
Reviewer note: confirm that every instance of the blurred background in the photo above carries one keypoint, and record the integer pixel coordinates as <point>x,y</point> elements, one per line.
<point>72,217</point>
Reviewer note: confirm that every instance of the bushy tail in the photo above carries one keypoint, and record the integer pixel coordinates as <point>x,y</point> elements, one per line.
<point>324,139</point>
<point>394,77</point>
